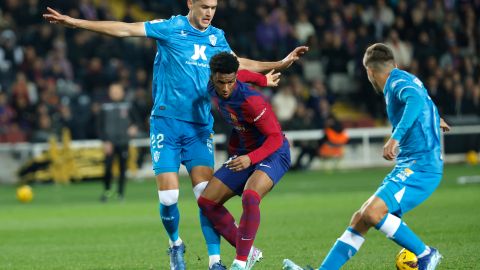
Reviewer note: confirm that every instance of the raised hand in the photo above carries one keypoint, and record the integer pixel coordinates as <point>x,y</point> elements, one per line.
<point>273,78</point>
<point>55,17</point>
<point>294,56</point>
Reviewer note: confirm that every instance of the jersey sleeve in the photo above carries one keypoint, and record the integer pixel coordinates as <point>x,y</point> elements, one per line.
<point>248,76</point>
<point>408,94</point>
<point>158,29</point>
<point>260,114</point>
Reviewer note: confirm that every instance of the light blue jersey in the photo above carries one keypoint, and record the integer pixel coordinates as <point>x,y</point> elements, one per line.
<point>415,121</point>
<point>181,68</point>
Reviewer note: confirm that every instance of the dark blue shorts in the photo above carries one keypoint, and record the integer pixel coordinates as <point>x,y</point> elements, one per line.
<point>275,166</point>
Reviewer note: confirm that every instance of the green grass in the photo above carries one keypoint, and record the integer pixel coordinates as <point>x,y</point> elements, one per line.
<point>66,227</point>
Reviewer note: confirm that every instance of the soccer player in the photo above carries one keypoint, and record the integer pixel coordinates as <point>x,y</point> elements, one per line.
<point>416,134</point>
<point>259,151</point>
<point>181,123</point>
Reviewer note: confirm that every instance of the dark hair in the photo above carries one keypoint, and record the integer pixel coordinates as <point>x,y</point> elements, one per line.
<point>378,55</point>
<point>224,63</point>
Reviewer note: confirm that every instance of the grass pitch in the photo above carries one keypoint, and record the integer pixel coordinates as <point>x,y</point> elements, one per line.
<point>66,227</point>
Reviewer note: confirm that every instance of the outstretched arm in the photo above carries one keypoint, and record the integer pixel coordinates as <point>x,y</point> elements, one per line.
<point>259,66</point>
<point>270,79</point>
<point>116,29</point>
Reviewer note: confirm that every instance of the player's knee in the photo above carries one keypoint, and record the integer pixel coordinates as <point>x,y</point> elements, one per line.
<point>356,217</point>
<point>199,188</point>
<point>371,216</point>
<point>250,197</point>
<point>168,197</point>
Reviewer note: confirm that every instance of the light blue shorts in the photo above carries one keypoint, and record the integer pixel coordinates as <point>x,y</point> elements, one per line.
<point>404,189</point>
<point>174,142</point>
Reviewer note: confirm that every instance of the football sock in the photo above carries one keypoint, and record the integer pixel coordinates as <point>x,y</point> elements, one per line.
<point>222,220</point>
<point>176,243</point>
<point>425,253</point>
<point>395,229</point>
<point>213,259</point>
<point>170,219</point>
<point>344,248</point>
<point>241,263</point>
<point>212,238</point>
<point>249,223</point>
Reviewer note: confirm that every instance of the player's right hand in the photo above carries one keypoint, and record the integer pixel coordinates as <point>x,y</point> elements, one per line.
<point>390,149</point>
<point>273,78</point>
<point>55,17</point>
<point>444,126</point>
<point>239,163</point>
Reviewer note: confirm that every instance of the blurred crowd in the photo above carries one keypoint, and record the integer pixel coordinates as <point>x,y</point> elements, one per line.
<point>53,77</point>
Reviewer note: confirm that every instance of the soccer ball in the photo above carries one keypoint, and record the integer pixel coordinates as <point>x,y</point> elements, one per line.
<point>472,157</point>
<point>406,260</point>
<point>24,194</point>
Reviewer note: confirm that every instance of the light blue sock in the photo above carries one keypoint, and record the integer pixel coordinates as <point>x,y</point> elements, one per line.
<point>344,248</point>
<point>395,229</point>
<point>212,238</point>
<point>170,218</point>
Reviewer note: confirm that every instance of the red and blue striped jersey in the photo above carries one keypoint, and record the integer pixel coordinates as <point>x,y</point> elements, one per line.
<point>256,130</point>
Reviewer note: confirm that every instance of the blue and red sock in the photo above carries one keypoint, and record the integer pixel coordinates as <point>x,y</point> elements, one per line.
<point>249,223</point>
<point>222,220</point>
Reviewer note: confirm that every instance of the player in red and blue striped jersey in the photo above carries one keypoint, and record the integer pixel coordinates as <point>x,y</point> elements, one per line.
<point>259,151</point>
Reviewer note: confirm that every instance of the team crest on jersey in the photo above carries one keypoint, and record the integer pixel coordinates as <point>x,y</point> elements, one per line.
<point>213,40</point>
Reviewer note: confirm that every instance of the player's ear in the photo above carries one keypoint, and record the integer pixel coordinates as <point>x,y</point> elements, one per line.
<point>189,4</point>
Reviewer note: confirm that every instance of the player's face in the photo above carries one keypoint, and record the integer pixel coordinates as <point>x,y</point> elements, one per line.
<point>371,78</point>
<point>201,12</point>
<point>224,84</point>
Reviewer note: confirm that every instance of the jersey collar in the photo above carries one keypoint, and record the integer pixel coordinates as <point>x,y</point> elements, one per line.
<point>195,29</point>
<point>387,83</point>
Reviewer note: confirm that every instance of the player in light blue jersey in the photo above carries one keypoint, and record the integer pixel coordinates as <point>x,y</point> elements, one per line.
<point>181,123</point>
<point>416,136</point>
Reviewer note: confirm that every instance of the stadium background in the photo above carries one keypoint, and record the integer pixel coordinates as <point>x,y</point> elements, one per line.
<point>52,78</point>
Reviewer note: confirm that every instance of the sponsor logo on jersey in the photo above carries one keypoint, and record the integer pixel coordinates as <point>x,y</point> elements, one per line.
<point>183,33</point>
<point>403,175</point>
<point>199,52</point>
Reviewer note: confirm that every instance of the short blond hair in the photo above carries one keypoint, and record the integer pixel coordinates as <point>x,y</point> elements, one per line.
<point>378,56</point>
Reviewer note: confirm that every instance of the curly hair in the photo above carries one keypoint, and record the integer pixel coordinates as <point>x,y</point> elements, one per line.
<point>224,63</point>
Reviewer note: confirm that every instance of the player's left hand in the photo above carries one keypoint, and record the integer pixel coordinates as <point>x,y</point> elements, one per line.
<point>293,56</point>
<point>444,126</point>
<point>390,149</point>
<point>273,78</point>
<point>240,163</point>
